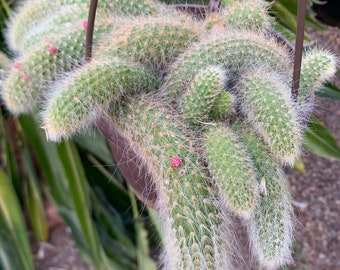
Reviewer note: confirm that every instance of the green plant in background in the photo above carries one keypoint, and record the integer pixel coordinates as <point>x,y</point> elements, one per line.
<point>213,133</point>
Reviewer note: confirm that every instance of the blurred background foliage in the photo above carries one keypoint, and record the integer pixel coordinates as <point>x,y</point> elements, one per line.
<point>111,228</point>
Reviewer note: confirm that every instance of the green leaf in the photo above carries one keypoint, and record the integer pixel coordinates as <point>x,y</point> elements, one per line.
<point>284,14</point>
<point>96,145</point>
<point>49,161</point>
<point>143,258</point>
<point>12,222</point>
<point>33,199</point>
<point>318,140</point>
<point>79,192</point>
<point>329,91</point>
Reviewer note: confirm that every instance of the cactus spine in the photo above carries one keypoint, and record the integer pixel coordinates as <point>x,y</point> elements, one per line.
<point>223,106</point>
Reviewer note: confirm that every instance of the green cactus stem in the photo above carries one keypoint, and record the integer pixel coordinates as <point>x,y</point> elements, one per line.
<point>249,15</point>
<point>270,231</point>
<point>266,102</point>
<point>200,97</point>
<point>232,170</point>
<point>194,226</point>
<point>153,42</point>
<point>29,16</point>
<point>233,51</point>
<point>34,13</point>
<point>89,91</point>
<point>32,73</point>
<point>317,67</point>
<point>223,105</point>
<point>65,19</point>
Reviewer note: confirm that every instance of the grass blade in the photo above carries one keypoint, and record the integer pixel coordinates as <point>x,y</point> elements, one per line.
<point>143,258</point>
<point>79,192</point>
<point>34,200</point>
<point>12,221</point>
<point>318,140</point>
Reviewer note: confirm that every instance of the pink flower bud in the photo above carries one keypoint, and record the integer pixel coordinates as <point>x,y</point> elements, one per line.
<point>176,162</point>
<point>53,49</point>
<point>85,23</point>
<point>17,65</point>
<point>25,78</point>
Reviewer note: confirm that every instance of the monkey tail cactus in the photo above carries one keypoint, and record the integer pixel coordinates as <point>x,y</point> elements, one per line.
<point>318,66</point>
<point>29,16</point>
<point>154,42</point>
<point>268,107</point>
<point>194,224</point>
<point>232,170</point>
<point>205,162</point>
<point>270,230</point>
<point>240,15</point>
<point>67,18</point>
<point>233,51</point>
<point>248,14</point>
<point>75,103</point>
<point>35,70</point>
<point>201,95</point>
<point>35,13</point>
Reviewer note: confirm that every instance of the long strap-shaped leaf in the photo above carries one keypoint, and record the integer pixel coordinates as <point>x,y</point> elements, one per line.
<point>12,221</point>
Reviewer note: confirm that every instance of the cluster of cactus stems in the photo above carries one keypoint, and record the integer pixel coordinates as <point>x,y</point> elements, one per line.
<point>205,104</point>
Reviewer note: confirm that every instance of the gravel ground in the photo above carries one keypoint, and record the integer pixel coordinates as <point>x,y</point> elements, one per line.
<point>317,192</point>
<point>317,244</point>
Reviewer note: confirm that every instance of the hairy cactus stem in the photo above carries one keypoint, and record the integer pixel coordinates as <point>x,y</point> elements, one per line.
<point>137,177</point>
<point>141,187</point>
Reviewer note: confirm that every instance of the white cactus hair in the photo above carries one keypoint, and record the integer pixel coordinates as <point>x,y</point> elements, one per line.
<point>285,226</point>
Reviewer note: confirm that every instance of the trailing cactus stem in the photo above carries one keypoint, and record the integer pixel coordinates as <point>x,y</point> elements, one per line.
<point>223,105</point>
<point>266,103</point>
<point>270,231</point>
<point>199,98</point>
<point>153,42</point>
<point>30,16</point>
<point>317,67</point>
<point>231,169</point>
<point>37,12</point>
<point>74,104</point>
<point>34,71</point>
<point>66,19</point>
<point>194,227</point>
<point>249,15</point>
<point>232,51</point>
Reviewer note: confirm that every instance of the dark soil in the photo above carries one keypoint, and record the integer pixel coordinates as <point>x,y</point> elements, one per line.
<point>317,193</point>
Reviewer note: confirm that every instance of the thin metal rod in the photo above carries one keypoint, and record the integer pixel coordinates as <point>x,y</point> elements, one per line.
<point>89,29</point>
<point>302,6</point>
